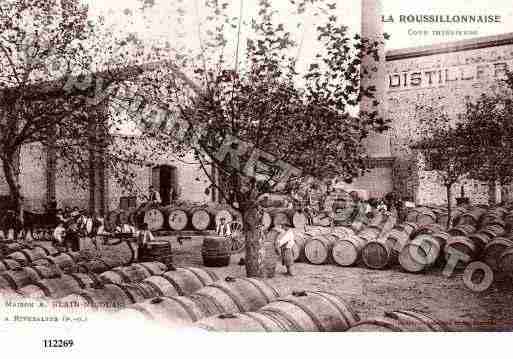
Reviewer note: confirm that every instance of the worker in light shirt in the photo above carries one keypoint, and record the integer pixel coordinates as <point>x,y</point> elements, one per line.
<point>285,243</point>
<point>59,232</point>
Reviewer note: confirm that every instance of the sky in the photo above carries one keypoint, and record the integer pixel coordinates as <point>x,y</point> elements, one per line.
<point>159,24</point>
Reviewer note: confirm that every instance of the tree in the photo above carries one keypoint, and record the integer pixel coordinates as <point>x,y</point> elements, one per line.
<point>488,129</point>
<point>445,149</point>
<point>260,124</point>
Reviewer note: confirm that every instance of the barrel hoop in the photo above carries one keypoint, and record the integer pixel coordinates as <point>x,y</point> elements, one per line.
<point>127,293</point>
<point>154,287</point>
<point>189,311</point>
<point>212,275</point>
<point>124,277</point>
<point>382,322</point>
<point>258,320</point>
<point>174,284</point>
<point>47,252</point>
<point>79,280</point>
<point>213,300</point>
<point>426,319</point>
<point>24,252</point>
<point>283,316</point>
<point>233,297</point>
<point>261,291</point>
<point>11,281</point>
<point>340,310</point>
<point>307,310</point>
<point>198,276</point>
<point>38,272</point>
<point>148,268</point>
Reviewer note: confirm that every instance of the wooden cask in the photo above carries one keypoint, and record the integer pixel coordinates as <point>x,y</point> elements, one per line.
<point>319,248</point>
<point>48,248</point>
<point>426,216</point>
<point>462,230</point>
<point>311,311</point>
<point>132,274</point>
<point>189,280</point>
<point>461,245</point>
<point>235,295</point>
<point>401,321</point>
<point>17,278</point>
<point>493,231</point>
<point>177,219</point>
<point>370,233</point>
<point>241,322</point>
<point>154,218</point>
<point>379,254</point>
<point>420,253</point>
<point>216,251</point>
<point>347,250</point>
<point>58,287</point>
<point>202,219</point>
<point>494,249</point>
<point>505,262</point>
<point>299,219</point>
<point>28,255</point>
<point>7,264</point>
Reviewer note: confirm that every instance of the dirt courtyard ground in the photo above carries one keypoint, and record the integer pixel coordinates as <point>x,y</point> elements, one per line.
<point>373,292</point>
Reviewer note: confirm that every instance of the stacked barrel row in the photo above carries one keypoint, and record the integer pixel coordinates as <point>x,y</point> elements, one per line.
<point>177,217</point>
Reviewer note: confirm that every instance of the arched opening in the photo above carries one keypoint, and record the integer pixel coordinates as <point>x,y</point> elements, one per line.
<point>165,181</point>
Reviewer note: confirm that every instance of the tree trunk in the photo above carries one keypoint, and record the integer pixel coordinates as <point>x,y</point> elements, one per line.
<point>449,212</point>
<point>10,177</point>
<point>255,250</point>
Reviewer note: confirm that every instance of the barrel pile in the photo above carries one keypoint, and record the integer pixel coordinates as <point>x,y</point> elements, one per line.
<point>177,217</point>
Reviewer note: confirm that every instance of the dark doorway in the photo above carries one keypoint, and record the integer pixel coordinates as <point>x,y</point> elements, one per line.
<point>165,181</point>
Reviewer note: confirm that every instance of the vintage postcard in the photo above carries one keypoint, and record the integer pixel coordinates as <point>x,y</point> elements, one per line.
<point>176,171</point>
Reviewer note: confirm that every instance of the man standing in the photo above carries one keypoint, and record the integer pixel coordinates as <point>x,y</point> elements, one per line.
<point>223,228</point>
<point>285,243</point>
<point>154,196</point>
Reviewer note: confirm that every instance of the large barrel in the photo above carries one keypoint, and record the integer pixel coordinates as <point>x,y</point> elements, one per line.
<point>318,248</point>
<point>493,231</point>
<point>370,233</point>
<point>133,273</point>
<point>311,311</point>
<point>381,253</point>
<point>48,247</point>
<point>177,219</point>
<point>58,287</point>
<point>216,251</point>
<point>241,322</point>
<point>6,264</point>
<point>235,295</point>
<point>154,218</point>
<point>95,265</point>
<point>61,260</point>
<point>505,262</point>
<point>494,249</point>
<point>401,321</point>
<point>426,216</point>
<point>28,255</point>
<point>480,240</point>
<point>420,253</point>
<point>462,230</point>
<point>346,250</point>
<point>188,280</point>
<point>203,218</point>
<point>158,250</point>
<point>121,253</point>
<point>108,297</point>
<point>462,245</point>
<point>20,277</point>
<point>281,217</point>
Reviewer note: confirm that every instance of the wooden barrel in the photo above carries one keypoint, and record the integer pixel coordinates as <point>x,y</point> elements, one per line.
<point>124,251</point>
<point>281,217</point>
<point>401,321</point>
<point>241,322</point>
<point>318,248</point>
<point>406,227</point>
<point>95,265</point>
<point>494,249</point>
<point>6,264</point>
<point>480,240</point>
<point>158,250</point>
<point>189,280</point>
<point>489,220</point>
<point>346,250</point>
<point>108,297</point>
<point>202,218</point>
<point>299,219</point>
<point>420,253</point>
<point>61,260</point>
<point>154,218</point>
<point>58,287</point>
<point>216,251</point>
<point>505,262</point>
<point>462,230</point>
<point>468,218</point>
<point>158,286</point>
<point>235,295</point>
<point>17,278</point>
<point>311,311</point>
<point>493,231</point>
<point>28,255</point>
<point>412,214</point>
<point>370,233</point>
<point>462,245</point>
<point>48,247</point>
<point>177,219</point>
<point>379,254</point>
<point>174,312</point>
<point>426,216</point>
<point>133,273</point>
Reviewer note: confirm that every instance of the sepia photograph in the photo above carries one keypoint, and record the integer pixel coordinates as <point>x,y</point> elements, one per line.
<point>252,166</point>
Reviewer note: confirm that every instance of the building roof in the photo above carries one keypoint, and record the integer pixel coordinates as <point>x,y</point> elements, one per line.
<point>450,47</point>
